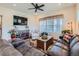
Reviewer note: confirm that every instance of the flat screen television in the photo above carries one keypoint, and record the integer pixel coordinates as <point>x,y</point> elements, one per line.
<point>18,20</point>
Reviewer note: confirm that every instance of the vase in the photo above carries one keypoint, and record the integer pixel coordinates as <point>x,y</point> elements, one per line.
<point>13,36</point>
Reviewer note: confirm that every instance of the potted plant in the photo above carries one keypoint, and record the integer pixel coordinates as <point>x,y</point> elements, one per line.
<point>66,31</point>
<point>44,35</point>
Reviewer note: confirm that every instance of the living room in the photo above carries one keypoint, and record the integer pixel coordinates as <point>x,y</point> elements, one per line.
<point>67,13</point>
<point>33,20</point>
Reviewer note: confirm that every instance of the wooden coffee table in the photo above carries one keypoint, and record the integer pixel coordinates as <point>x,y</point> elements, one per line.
<point>44,43</point>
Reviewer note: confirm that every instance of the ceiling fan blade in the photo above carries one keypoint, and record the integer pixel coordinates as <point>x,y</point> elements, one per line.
<point>41,9</point>
<point>35,10</point>
<point>31,8</point>
<point>42,5</point>
<point>33,4</point>
<point>36,4</point>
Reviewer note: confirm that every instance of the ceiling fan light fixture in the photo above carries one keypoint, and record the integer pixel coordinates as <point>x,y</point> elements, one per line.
<point>37,7</point>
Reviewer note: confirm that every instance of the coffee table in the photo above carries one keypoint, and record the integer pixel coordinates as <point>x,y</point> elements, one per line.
<point>44,43</point>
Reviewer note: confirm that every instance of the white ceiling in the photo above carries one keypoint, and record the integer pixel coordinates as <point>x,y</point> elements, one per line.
<point>23,7</point>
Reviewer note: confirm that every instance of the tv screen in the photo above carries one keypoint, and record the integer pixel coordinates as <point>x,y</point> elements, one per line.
<point>17,20</point>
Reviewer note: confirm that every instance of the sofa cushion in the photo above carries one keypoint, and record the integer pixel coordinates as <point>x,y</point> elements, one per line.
<point>74,47</point>
<point>17,44</point>
<point>23,48</point>
<point>75,50</point>
<point>55,50</point>
<point>34,52</point>
<point>8,50</point>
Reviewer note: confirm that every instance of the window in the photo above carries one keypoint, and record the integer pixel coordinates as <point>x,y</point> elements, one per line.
<point>51,24</point>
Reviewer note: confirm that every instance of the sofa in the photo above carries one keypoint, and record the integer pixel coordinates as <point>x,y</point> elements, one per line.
<point>59,49</point>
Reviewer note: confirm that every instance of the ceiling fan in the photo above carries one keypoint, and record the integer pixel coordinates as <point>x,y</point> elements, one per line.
<point>37,7</point>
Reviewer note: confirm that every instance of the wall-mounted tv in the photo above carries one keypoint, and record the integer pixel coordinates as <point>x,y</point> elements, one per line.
<point>18,20</point>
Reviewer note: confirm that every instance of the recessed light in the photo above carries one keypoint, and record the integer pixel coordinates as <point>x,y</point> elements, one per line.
<point>14,4</point>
